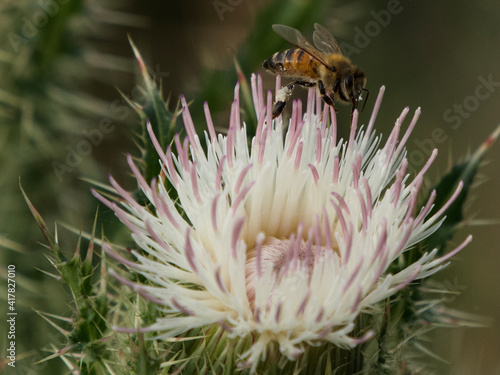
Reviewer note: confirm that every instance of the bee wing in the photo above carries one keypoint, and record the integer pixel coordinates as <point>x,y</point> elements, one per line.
<point>296,38</point>
<point>324,41</point>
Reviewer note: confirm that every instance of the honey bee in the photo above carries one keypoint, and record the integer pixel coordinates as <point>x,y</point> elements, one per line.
<point>323,66</point>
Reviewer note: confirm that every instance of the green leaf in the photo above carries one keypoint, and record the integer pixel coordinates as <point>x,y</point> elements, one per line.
<point>51,240</point>
<point>53,39</point>
<point>162,120</point>
<point>445,188</point>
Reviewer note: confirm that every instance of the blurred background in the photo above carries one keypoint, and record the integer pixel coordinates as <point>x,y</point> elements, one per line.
<point>63,63</point>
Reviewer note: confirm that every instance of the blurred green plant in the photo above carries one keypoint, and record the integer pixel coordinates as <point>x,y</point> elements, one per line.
<point>47,63</point>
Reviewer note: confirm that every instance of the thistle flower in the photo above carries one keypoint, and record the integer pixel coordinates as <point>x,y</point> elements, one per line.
<point>286,237</point>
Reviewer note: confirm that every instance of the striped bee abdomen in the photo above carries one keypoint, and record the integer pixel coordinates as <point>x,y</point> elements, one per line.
<point>292,62</point>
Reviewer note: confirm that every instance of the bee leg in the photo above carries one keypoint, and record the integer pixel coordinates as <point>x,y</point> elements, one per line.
<point>304,83</point>
<point>278,108</point>
<point>284,93</point>
<point>327,99</point>
<point>281,98</point>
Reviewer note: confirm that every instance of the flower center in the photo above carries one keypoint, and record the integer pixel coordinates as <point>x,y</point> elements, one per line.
<point>276,259</point>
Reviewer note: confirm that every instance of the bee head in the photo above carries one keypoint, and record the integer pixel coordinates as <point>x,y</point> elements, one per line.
<point>353,86</point>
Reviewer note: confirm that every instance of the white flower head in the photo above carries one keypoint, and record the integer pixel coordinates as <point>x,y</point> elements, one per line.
<point>288,236</point>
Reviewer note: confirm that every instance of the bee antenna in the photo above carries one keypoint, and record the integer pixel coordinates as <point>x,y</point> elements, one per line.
<point>366,99</point>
